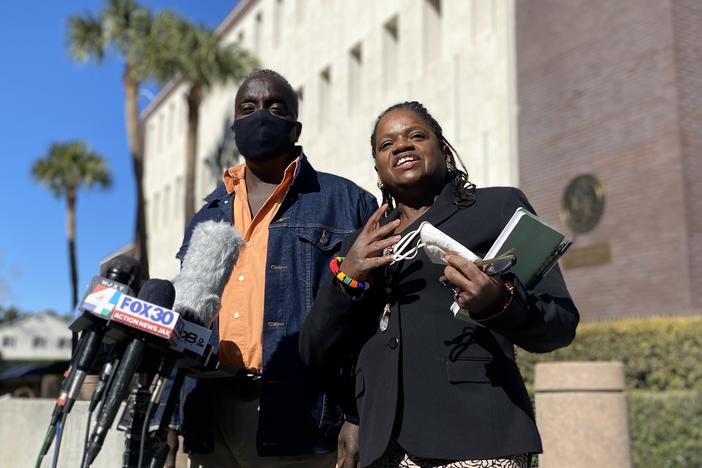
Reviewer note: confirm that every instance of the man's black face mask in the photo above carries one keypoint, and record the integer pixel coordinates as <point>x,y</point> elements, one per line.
<point>262,136</point>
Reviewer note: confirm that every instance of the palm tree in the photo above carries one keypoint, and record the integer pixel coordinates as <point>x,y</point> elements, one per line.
<point>122,26</point>
<point>195,55</point>
<point>66,168</point>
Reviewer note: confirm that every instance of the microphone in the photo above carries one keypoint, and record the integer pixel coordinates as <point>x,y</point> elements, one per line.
<point>122,273</point>
<point>213,251</point>
<point>96,308</point>
<point>149,313</point>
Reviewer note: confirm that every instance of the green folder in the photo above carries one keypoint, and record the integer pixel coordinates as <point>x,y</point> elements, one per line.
<point>537,246</point>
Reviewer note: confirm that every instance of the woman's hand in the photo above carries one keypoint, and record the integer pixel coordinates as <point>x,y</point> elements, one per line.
<point>476,292</point>
<point>365,254</point>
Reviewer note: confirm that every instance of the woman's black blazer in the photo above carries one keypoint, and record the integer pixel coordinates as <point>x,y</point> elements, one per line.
<point>442,387</point>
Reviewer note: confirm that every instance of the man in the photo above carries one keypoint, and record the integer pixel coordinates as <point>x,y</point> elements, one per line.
<point>293,220</point>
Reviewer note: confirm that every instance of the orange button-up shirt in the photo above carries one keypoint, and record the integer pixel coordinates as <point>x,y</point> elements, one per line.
<point>241,313</point>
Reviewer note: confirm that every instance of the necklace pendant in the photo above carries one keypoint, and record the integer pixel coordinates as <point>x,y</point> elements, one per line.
<point>384,318</point>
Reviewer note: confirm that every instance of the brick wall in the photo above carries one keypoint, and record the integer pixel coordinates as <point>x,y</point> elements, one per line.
<point>608,88</point>
<point>687,34</point>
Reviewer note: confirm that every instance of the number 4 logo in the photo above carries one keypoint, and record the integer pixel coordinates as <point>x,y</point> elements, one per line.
<point>102,301</point>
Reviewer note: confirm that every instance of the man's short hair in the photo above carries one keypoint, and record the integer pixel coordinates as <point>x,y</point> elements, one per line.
<point>267,73</point>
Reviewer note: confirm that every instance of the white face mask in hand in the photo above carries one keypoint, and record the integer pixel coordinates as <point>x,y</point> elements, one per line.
<point>435,243</point>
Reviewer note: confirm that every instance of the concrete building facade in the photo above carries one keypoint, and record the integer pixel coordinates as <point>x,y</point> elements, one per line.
<point>348,61</point>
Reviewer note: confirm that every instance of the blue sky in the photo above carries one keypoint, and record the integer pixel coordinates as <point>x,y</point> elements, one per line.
<point>47,98</point>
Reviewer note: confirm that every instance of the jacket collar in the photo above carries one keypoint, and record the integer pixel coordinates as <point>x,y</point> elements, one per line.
<point>304,178</point>
<point>444,207</point>
<point>303,168</point>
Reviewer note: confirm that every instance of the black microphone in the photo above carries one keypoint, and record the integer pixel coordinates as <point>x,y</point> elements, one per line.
<point>122,273</point>
<point>92,322</point>
<point>155,297</point>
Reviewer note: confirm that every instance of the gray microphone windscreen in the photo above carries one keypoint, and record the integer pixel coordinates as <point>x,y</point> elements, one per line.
<point>207,265</point>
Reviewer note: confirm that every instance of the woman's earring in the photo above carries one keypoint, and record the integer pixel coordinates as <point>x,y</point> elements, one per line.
<point>450,166</point>
<point>380,184</point>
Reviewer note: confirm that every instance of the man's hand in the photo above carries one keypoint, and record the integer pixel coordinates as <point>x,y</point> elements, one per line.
<point>347,449</point>
<point>172,441</point>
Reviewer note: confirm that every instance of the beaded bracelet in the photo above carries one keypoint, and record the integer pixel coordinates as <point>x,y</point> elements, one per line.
<point>335,267</point>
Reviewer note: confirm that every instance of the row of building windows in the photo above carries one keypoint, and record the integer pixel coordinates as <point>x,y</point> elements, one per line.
<point>165,206</point>
<point>165,203</point>
<point>169,123</point>
<point>390,61</point>
<point>171,120</point>
<point>37,342</point>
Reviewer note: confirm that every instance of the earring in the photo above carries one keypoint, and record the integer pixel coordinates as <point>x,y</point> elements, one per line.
<point>450,166</point>
<point>380,184</point>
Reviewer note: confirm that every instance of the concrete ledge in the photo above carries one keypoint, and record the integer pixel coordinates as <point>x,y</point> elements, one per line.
<point>579,376</point>
<point>23,426</point>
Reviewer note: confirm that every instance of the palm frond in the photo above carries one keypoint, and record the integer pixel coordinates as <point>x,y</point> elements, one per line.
<point>85,37</point>
<point>196,53</point>
<point>69,166</point>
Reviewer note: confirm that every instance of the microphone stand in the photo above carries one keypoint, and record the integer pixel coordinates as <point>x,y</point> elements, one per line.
<point>160,445</point>
<point>136,409</point>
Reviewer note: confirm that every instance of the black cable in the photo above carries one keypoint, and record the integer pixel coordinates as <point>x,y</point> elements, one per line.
<point>44,446</point>
<point>84,457</point>
<point>144,427</point>
<point>59,436</point>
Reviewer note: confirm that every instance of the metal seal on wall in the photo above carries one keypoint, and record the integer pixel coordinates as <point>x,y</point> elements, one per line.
<point>583,203</point>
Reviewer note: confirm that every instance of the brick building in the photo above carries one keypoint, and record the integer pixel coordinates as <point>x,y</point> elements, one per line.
<point>614,89</point>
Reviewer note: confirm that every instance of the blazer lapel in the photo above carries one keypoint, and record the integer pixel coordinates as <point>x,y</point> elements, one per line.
<point>442,209</point>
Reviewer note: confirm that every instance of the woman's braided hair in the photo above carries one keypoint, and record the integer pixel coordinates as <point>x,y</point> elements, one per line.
<point>465,190</point>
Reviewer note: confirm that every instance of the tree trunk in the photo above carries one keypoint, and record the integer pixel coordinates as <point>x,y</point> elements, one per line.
<point>71,236</point>
<point>194,99</point>
<point>136,149</point>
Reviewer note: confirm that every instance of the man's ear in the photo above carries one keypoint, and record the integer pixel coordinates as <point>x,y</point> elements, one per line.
<point>298,131</point>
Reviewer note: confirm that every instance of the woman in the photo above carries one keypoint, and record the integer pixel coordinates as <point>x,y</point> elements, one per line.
<point>431,390</point>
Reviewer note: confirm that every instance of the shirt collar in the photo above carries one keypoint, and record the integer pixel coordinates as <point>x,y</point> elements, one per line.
<point>235,174</point>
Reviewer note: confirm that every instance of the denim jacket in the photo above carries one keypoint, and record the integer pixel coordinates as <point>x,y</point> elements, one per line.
<point>295,416</point>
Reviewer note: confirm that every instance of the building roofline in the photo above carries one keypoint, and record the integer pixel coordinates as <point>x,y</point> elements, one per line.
<point>227,23</point>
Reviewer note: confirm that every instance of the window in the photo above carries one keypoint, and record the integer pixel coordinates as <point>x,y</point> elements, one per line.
<point>156,210</point>
<point>300,10</point>
<point>166,204</point>
<point>432,31</point>
<point>160,130</point>
<point>257,33</point>
<point>300,99</point>
<point>171,120</point>
<point>178,196</point>
<point>240,38</point>
<point>9,341</point>
<point>277,24</point>
<point>39,342</point>
<point>324,96</point>
<point>150,143</point>
<point>355,76</point>
<point>64,343</point>
<point>390,52</point>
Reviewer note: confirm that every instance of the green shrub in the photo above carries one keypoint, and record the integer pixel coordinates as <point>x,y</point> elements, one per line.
<point>666,429</point>
<point>658,353</point>
<point>663,366</point>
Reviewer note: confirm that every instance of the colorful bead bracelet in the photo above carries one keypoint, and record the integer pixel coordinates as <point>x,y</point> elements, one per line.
<point>335,267</point>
